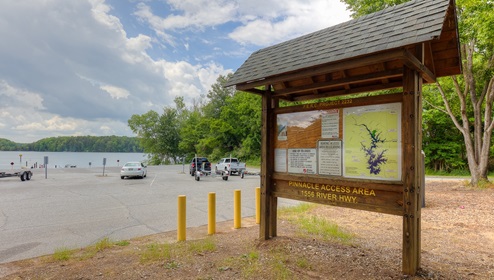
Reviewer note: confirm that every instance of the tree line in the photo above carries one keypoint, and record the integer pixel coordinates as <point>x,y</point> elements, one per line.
<point>121,144</point>
<point>224,122</point>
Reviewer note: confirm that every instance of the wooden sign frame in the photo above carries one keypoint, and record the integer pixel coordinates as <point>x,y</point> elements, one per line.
<point>397,196</point>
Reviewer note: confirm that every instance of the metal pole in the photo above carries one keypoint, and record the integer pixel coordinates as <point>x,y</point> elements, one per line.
<point>211,213</point>
<point>181,224</point>
<point>237,215</point>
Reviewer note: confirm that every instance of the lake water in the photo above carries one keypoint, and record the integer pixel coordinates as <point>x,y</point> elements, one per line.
<point>60,159</point>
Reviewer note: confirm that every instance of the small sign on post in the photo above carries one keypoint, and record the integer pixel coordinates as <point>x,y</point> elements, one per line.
<point>45,163</point>
<point>104,164</point>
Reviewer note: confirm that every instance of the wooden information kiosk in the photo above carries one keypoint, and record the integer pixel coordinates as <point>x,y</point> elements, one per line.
<point>347,150</point>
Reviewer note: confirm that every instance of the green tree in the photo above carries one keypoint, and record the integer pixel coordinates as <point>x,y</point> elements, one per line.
<point>442,142</point>
<point>146,128</point>
<point>218,97</point>
<point>229,122</point>
<point>474,90</point>
<point>234,122</point>
<point>243,112</point>
<point>158,134</point>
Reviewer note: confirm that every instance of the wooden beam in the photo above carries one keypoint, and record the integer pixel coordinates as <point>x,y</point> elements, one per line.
<point>412,62</point>
<point>314,91</point>
<point>255,91</point>
<point>381,68</point>
<point>429,57</point>
<point>341,82</point>
<point>344,75</point>
<point>346,92</point>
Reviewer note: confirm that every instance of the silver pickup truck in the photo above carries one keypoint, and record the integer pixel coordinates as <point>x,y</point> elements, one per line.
<point>233,165</point>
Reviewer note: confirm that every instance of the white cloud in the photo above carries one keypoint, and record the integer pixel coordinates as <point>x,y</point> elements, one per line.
<point>262,22</point>
<point>116,92</point>
<point>15,97</point>
<point>55,123</point>
<point>191,79</point>
<point>100,12</point>
<point>189,13</point>
<point>293,18</point>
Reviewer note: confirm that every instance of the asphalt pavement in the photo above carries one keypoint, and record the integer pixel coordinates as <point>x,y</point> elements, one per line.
<point>77,207</point>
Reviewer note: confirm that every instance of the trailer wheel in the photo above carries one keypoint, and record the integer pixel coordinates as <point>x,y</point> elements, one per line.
<point>225,178</point>
<point>28,176</point>
<point>23,176</point>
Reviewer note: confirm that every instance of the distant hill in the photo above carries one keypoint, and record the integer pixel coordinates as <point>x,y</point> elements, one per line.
<point>121,144</point>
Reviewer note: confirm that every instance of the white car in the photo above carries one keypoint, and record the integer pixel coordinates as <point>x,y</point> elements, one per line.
<point>133,169</point>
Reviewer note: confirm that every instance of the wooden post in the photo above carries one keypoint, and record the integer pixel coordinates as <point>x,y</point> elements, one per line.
<point>412,141</point>
<point>268,202</point>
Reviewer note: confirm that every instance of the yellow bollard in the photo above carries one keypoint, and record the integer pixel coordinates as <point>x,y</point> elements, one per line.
<point>258,205</point>
<point>181,224</point>
<point>211,213</point>
<point>237,213</point>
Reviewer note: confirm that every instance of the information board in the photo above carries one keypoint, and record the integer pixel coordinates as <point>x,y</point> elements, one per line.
<point>351,142</point>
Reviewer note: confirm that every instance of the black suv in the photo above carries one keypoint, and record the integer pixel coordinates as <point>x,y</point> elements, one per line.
<point>200,161</point>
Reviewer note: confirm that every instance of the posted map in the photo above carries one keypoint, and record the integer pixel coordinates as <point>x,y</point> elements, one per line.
<point>372,142</point>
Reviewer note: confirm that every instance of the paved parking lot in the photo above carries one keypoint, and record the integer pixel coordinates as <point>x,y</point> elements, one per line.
<point>76,207</point>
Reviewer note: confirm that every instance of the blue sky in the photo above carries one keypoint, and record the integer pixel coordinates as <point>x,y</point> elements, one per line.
<point>84,67</point>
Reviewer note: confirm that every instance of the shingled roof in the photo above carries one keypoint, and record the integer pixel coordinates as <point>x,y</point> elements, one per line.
<point>397,30</point>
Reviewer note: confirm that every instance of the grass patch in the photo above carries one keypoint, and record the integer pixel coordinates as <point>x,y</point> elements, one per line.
<point>278,263</point>
<point>291,212</point>
<point>313,225</point>
<point>249,264</point>
<point>103,244</point>
<point>327,230</point>
<point>91,251</point>
<point>168,253</point>
<point>483,184</point>
<point>122,243</point>
<point>62,254</point>
<point>157,252</point>
<point>272,265</point>
<point>303,263</point>
<point>201,246</point>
